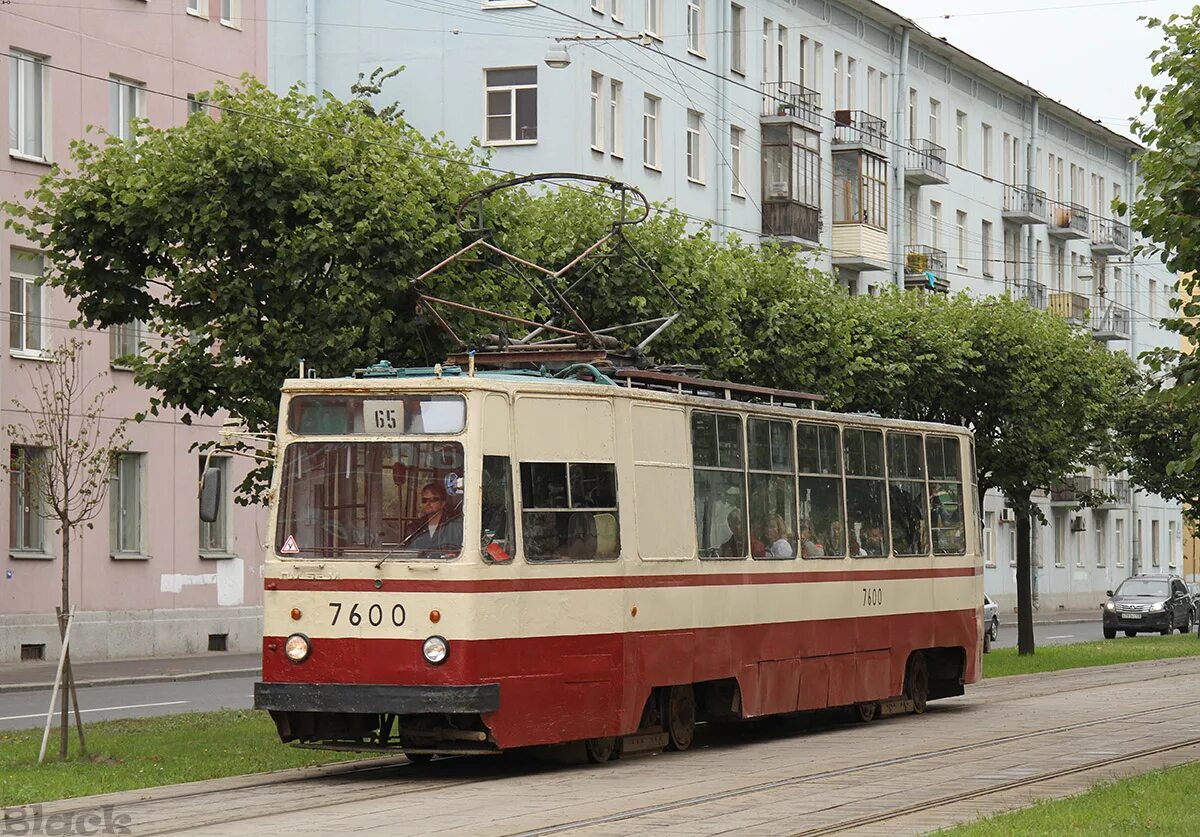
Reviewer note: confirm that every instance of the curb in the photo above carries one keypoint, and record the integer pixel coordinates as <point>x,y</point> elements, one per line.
<point>132,680</point>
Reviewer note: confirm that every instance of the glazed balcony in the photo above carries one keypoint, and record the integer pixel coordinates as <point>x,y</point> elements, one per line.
<point>1069,221</point>
<point>1024,205</point>
<point>859,129</point>
<point>1109,237</point>
<point>1069,305</point>
<point>925,164</point>
<point>788,100</point>
<point>794,223</point>
<point>925,268</point>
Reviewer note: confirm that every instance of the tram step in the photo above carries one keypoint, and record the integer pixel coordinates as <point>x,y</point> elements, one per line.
<point>643,742</point>
<point>895,706</point>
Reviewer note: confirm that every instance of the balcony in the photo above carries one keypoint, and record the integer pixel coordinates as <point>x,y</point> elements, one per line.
<point>788,100</point>
<point>859,129</point>
<point>1109,237</point>
<point>925,268</point>
<point>1070,492</point>
<point>1069,221</point>
<point>1024,205</point>
<point>1069,305</point>
<point>1116,493</point>
<point>925,164</point>
<point>1110,322</point>
<point>793,222</point>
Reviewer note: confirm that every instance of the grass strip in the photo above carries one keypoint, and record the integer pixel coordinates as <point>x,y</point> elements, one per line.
<point>1161,802</point>
<point>148,752</point>
<point>1003,662</point>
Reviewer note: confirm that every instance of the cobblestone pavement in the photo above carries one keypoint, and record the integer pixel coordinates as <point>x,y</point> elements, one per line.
<point>775,778</point>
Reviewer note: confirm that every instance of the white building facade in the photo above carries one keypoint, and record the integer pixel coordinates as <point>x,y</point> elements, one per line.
<point>839,127</point>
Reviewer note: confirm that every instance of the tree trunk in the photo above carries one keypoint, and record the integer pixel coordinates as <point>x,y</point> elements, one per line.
<point>1025,642</point>
<point>64,727</point>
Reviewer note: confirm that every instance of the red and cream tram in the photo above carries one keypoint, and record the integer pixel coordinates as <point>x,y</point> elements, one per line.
<point>466,563</point>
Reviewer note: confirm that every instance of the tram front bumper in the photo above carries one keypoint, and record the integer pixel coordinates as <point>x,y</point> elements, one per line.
<point>372,698</point>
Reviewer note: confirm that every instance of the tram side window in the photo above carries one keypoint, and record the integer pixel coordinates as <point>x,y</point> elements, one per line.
<point>947,513</point>
<point>866,492</point>
<point>906,494</point>
<point>818,455</point>
<point>496,535</point>
<point>772,488</point>
<point>569,511</point>
<point>720,488</point>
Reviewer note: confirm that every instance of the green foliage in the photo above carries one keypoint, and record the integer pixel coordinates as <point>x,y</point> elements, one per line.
<point>1158,427</point>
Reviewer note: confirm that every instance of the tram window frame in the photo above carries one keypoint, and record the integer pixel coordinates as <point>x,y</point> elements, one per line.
<point>865,471</point>
<point>771,473</point>
<point>907,472</point>
<point>571,529</point>
<point>498,544</point>
<point>820,472</point>
<point>952,478</point>
<point>725,469</point>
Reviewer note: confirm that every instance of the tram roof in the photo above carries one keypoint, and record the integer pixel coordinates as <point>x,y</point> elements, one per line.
<point>648,384</point>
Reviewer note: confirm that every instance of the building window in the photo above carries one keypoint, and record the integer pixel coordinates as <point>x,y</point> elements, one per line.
<point>735,160</point>
<point>960,128</point>
<point>26,530</point>
<point>781,51</point>
<point>767,52</point>
<point>986,234</point>
<point>839,101</point>
<point>695,26</point>
<point>912,115</point>
<point>126,102</point>
<point>910,200</point>
<point>960,225</point>
<point>1119,540</point>
<point>935,127</point>
<point>195,104</point>
<point>598,6</point>
<point>737,39</point>
<point>231,12</point>
<point>125,504</point>
<point>27,105</point>
<point>1101,542</point>
<point>597,112</point>
<point>26,322</point>
<point>1171,543</point>
<point>935,225</point>
<point>214,536</point>
<point>618,10</point>
<point>695,161</point>
<point>860,190</point>
<point>654,17</point>
<point>125,342</point>
<point>197,7</point>
<point>651,131</point>
<point>1155,553</point>
<point>511,105</point>
<point>989,539</point>
<point>985,142</point>
<point>616,118</point>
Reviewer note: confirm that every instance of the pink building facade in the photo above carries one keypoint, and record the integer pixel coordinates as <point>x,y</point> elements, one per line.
<point>149,578</point>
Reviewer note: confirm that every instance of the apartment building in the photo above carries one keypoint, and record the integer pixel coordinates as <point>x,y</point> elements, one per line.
<point>149,578</point>
<point>837,126</point>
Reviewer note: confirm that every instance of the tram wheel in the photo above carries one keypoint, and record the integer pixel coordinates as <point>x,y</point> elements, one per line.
<point>681,717</point>
<point>600,750</point>
<point>866,712</point>
<point>916,682</point>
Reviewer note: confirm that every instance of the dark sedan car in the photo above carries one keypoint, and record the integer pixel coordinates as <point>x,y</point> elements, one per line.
<point>1144,603</point>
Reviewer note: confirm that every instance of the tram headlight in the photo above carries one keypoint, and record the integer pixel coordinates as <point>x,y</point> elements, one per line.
<point>436,650</point>
<point>296,648</point>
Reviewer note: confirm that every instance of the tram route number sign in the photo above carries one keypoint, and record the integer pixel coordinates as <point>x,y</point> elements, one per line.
<point>374,615</point>
<point>381,417</point>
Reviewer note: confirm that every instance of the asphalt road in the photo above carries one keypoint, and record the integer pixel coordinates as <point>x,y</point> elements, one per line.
<point>21,710</point>
<point>1062,633</point>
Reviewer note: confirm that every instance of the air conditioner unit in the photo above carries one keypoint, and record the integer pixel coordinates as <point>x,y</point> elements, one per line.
<point>1008,515</point>
<point>1078,524</point>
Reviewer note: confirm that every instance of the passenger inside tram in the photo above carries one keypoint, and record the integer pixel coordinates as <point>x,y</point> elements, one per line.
<point>809,546</point>
<point>735,546</point>
<point>775,536</point>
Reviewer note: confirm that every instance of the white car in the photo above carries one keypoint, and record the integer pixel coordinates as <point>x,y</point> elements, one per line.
<point>991,622</point>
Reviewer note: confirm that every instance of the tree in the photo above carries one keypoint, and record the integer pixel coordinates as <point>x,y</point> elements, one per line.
<point>1158,427</point>
<point>67,448</point>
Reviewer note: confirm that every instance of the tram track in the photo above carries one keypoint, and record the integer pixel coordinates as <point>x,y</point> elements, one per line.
<point>763,787</point>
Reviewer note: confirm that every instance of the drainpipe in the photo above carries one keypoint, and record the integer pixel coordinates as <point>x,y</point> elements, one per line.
<point>1031,183</point>
<point>724,176</point>
<point>310,46</point>
<point>898,222</point>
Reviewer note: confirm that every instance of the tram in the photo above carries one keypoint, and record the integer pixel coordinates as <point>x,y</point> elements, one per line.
<point>467,561</point>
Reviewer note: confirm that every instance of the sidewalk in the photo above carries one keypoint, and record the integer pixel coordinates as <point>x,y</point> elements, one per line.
<point>25,677</point>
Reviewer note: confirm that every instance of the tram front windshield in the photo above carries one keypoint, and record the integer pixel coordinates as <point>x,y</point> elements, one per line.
<point>400,500</point>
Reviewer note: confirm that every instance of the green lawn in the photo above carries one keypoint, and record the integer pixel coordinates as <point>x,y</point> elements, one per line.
<point>1162,802</point>
<point>147,752</point>
<point>1002,662</point>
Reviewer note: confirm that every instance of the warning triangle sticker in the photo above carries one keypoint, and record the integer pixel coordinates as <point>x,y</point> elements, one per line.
<point>289,546</point>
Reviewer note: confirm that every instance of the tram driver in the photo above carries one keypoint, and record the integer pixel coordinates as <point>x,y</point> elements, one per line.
<point>441,527</point>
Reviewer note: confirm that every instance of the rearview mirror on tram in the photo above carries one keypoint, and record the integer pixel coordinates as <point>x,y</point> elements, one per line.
<point>210,494</point>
